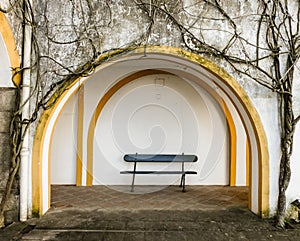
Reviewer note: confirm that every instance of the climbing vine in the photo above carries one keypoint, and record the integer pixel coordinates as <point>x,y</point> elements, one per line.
<point>87,33</point>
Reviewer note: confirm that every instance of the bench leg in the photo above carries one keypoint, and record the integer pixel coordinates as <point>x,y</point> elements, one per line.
<point>132,184</point>
<point>133,177</point>
<point>183,182</point>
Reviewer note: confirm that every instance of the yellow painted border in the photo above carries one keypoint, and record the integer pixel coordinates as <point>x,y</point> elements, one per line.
<point>263,156</point>
<point>232,145</point>
<point>248,160</point>
<point>249,172</point>
<point>80,136</point>
<point>11,47</point>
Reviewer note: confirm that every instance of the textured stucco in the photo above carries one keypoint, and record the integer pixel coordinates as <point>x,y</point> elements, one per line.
<point>7,99</point>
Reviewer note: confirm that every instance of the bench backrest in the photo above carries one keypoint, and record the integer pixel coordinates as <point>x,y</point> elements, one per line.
<point>159,158</point>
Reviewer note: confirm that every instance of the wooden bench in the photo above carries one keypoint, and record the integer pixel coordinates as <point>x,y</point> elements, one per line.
<point>159,158</point>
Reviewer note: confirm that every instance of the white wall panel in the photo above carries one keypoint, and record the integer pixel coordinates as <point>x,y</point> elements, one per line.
<point>169,117</point>
<point>64,146</point>
<point>293,191</point>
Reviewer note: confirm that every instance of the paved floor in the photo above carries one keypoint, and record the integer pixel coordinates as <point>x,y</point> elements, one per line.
<point>102,213</point>
<point>149,197</point>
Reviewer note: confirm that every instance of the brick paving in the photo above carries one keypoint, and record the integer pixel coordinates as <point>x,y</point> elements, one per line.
<point>148,197</point>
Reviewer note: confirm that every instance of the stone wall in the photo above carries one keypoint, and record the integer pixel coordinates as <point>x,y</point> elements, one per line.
<point>7,103</point>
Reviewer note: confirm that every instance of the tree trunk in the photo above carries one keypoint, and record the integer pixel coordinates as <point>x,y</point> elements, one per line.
<point>287,130</point>
<point>284,179</point>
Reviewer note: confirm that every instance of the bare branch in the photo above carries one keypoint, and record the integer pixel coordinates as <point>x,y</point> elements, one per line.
<point>296,120</point>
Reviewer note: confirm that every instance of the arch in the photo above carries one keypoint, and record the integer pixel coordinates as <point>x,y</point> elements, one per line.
<point>259,185</point>
<point>11,48</point>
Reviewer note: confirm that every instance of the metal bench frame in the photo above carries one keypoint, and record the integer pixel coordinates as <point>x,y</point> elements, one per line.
<point>158,158</point>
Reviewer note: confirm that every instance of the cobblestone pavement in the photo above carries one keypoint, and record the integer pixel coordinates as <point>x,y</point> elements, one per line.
<point>218,220</point>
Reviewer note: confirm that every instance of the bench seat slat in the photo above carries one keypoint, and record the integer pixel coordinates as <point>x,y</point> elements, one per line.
<point>159,158</point>
<point>158,172</point>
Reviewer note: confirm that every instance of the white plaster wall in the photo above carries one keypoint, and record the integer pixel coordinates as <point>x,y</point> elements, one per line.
<point>268,110</point>
<point>215,170</point>
<point>94,89</point>
<point>241,138</point>
<point>293,191</point>
<point>64,146</point>
<point>160,114</point>
<point>240,132</point>
<point>5,71</point>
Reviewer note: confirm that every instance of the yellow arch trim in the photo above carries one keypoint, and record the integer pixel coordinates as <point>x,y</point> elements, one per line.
<point>11,47</point>
<point>263,156</point>
<point>248,160</point>
<point>37,152</point>
<point>79,136</point>
<point>232,144</point>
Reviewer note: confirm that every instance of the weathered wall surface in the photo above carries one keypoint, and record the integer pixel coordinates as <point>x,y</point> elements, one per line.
<point>76,32</point>
<point>7,100</point>
<point>7,106</point>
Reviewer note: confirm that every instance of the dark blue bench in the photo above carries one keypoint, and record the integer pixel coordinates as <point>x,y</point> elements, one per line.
<point>158,158</point>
